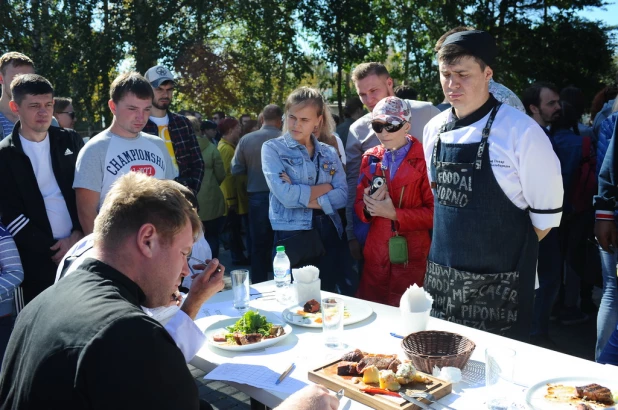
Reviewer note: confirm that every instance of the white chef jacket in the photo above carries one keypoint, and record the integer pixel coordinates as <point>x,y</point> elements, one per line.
<point>521,156</point>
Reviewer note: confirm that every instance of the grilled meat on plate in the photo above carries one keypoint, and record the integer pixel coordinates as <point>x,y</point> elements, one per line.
<point>596,393</point>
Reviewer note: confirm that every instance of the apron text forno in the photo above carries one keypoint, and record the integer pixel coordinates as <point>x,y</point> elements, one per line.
<point>454,185</point>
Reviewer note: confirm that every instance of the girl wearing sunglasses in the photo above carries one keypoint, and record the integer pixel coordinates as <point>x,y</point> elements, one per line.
<point>394,196</point>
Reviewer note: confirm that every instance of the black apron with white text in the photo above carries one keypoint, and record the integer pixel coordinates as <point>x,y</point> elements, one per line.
<point>482,261</point>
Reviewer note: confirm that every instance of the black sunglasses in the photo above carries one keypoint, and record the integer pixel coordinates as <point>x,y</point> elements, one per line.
<point>71,113</point>
<point>379,126</point>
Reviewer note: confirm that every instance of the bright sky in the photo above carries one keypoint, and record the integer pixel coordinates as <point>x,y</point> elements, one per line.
<point>608,16</point>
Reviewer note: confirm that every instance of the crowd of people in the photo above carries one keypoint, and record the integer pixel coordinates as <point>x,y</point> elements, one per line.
<point>485,199</point>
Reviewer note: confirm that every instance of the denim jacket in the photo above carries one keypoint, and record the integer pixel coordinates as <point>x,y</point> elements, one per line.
<point>288,202</point>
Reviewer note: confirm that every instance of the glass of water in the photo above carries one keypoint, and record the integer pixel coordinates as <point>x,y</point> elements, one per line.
<point>332,322</point>
<point>499,366</point>
<point>240,287</point>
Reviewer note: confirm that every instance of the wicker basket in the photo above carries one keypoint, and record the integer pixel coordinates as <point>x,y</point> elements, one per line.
<point>437,348</point>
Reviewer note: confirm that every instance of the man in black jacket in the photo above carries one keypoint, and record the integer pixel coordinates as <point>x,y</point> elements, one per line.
<point>37,201</point>
<point>85,343</point>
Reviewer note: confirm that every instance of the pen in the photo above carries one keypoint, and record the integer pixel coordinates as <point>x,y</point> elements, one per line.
<point>396,335</point>
<point>285,374</point>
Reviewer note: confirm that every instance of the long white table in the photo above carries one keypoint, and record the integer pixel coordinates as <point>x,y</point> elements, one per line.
<point>305,346</point>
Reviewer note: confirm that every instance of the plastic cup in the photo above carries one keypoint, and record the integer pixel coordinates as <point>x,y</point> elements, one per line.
<point>332,322</point>
<point>499,366</point>
<point>240,287</point>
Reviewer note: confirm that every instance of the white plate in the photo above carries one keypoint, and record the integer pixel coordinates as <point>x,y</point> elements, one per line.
<point>221,325</point>
<point>356,311</point>
<point>535,397</point>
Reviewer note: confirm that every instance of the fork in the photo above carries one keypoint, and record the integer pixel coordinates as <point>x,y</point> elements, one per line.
<point>201,262</point>
<point>430,397</point>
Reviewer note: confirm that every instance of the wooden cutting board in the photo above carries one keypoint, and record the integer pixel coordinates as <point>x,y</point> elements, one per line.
<point>327,376</point>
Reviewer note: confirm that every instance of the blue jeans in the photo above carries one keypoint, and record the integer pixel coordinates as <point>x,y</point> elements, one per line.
<point>607,317</point>
<point>549,268</point>
<point>261,233</point>
<point>609,354</point>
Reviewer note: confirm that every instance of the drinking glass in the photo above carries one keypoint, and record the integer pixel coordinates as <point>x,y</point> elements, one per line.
<point>499,365</point>
<point>332,322</point>
<point>240,287</point>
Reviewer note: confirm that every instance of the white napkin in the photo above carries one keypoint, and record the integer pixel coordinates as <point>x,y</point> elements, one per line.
<point>306,274</point>
<point>415,299</point>
<point>449,374</point>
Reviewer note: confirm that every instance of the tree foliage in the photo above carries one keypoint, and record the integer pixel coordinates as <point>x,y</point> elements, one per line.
<point>241,55</point>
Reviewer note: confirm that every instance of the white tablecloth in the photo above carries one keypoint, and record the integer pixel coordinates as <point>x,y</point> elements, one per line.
<point>305,348</point>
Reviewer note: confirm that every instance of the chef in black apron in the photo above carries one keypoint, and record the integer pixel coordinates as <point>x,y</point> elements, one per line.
<point>497,191</point>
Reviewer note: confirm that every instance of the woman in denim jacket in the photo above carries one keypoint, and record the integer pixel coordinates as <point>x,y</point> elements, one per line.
<point>307,183</point>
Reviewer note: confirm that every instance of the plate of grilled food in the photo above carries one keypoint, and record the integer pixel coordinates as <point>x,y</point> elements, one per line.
<point>577,393</point>
<point>251,331</point>
<point>309,314</point>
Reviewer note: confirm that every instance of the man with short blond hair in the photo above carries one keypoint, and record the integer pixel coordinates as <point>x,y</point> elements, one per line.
<point>11,65</point>
<point>86,342</point>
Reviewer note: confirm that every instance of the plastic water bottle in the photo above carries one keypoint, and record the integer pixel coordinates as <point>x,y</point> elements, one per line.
<point>283,276</point>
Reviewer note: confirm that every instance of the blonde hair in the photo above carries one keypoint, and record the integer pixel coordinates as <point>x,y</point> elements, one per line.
<point>304,96</point>
<point>327,129</point>
<point>136,199</point>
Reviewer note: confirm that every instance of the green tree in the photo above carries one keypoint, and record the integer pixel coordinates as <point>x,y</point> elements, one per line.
<point>338,33</point>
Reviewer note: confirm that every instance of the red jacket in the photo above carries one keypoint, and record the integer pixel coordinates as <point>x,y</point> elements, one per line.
<point>383,282</point>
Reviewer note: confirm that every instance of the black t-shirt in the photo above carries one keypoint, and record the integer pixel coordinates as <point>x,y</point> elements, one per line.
<point>85,343</point>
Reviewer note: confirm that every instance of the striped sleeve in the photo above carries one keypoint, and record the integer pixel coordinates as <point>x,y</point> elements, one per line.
<point>11,271</point>
<point>17,224</point>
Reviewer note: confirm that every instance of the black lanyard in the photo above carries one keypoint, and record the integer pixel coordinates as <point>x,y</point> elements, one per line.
<point>483,143</point>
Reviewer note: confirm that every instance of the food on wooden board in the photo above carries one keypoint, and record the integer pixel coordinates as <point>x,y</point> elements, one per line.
<point>347,369</point>
<point>371,375</point>
<point>388,380</point>
<point>353,356</point>
<point>383,369</point>
<point>381,361</point>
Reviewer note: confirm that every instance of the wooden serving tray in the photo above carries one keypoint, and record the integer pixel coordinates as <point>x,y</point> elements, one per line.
<point>327,376</point>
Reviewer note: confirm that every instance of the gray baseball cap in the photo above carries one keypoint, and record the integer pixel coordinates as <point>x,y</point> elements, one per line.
<point>158,74</point>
